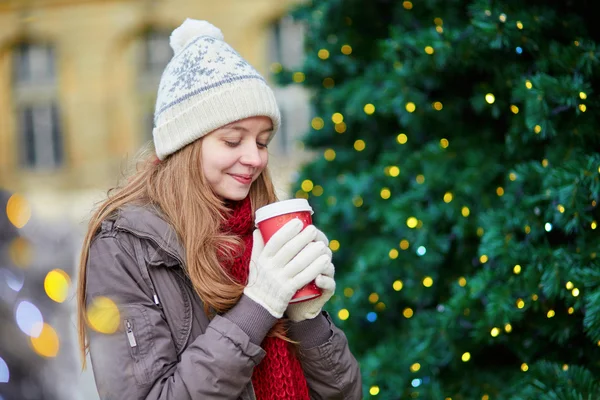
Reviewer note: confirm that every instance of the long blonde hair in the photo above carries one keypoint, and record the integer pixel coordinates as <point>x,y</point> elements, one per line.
<point>178,188</point>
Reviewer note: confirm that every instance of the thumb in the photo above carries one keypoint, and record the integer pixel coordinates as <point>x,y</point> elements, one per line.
<point>258,244</point>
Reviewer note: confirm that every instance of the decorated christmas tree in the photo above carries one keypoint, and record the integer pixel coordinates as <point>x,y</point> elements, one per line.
<point>457,177</point>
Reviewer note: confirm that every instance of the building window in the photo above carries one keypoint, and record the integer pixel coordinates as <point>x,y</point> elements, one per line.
<point>286,50</point>
<point>154,55</point>
<point>35,91</point>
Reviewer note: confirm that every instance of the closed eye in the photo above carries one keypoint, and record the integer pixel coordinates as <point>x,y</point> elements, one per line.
<point>236,144</point>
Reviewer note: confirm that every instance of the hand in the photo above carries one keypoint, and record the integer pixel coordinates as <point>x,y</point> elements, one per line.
<point>291,259</point>
<point>311,308</point>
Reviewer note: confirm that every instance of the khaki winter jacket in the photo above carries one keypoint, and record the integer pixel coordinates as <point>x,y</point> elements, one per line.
<point>166,347</point>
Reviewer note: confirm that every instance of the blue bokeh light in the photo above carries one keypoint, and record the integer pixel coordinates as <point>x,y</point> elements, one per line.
<point>29,319</point>
<point>372,316</point>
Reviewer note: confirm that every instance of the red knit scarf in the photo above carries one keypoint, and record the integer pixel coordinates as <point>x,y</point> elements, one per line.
<point>279,375</point>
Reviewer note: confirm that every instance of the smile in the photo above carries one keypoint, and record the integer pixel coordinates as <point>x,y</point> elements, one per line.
<point>243,179</point>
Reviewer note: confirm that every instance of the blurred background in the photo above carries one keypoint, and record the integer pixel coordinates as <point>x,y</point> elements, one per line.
<point>78,81</point>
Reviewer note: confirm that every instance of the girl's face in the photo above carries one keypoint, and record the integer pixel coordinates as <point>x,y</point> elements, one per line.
<point>234,156</point>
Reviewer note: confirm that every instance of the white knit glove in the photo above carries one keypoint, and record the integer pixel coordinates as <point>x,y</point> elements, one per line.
<point>311,308</point>
<point>290,260</point>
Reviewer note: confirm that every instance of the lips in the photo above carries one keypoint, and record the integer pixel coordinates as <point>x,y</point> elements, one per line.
<point>244,179</point>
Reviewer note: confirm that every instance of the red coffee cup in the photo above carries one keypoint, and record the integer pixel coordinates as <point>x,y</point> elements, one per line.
<point>272,217</point>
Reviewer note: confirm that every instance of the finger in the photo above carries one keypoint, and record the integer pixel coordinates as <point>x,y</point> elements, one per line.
<point>311,272</point>
<point>325,282</point>
<point>258,244</point>
<point>283,236</point>
<point>293,246</point>
<point>322,238</point>
<point>329,271</point>
<point>305,257</point>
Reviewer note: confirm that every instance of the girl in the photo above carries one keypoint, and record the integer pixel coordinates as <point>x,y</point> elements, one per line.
<point>203,303</point>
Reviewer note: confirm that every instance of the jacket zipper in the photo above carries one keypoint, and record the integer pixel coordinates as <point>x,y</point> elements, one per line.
<point>150,238</point>
<point>130,335</point>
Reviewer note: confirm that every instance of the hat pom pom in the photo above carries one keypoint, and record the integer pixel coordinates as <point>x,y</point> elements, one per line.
<point>190,29</point>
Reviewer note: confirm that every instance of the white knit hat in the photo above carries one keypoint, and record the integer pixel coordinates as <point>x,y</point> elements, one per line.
<point>205,86</point>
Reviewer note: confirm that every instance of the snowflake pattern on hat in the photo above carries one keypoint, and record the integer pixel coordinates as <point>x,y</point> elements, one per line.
<point>204,64</point>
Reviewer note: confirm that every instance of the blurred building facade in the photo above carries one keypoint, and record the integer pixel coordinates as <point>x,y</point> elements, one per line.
<point>78,80</point>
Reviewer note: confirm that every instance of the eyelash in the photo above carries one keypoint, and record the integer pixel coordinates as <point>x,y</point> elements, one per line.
<point>235,144</point>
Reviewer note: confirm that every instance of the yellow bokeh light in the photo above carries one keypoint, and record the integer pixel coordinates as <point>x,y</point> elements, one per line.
<point>514,109</point>
<point>323,54</point>
<point>404,244</point>
<point>380,306</point>
<point>448,197</point>
<point>300,194</point>
<point>385,193</point>
<point>103,315</point>
<point>462,281</point>
<point>20,252</point>
<point>337,118</point>
<point>582,95</point>
<point>569,285</point>
<point>502,17</point>
<point>437,106</point>
<point>307,185</point>
<point>439,29</point>
<point>348,292</point>
<point>343,314</point>
<point>465,211</point>
<point>329,154</point>
<point>438,21</point>
<point>560,208</point>
<point>357,201</point>
<point>545,162</point>
<point>565,367</point>
<point>359,145</point>
<point>298,77</point>
<point>520,303</point>
<point>415,367</point>
<point>524,367</point>
<point>412,222</point>
<point>18,210</point>
<point>429,50</point>
<point>328,83</point>
<point>427,281</point>
<point>317,190</point>
<point>519,25</point>
<point>582,107</point>
<point>575,292</point>
<point>550,313</point>
<point>528,84</point>
<point>534,297</point>
<point>373,298</point>
<point>56,285</point>
<point>394,171</point>
<point>47,343</point>
<point>466,356</point>
<point>420,179</point>
<point>594,225</point>
<point>334,245</point>
<point>537,129</point>
<point>397,285</point>
<point>483,259</point>
<point>408,5</point>
<point>374,390</point>
<point>408,312</point>
<point>402,138</point>
<point>410,107</point>
<point>480,231</point>
<point>276,68</point>
<point>369,109</point>
<point>495,332</point>
<point>444,143</point>
<point>517,269</point>
<point>485,397</point>
<point>490,98</point>
<point>500,191</point>
<point>512,176</point>
<point>346,49</point>
<point>571,310</point>
<point>393,254</point>
<point>508,328</point>
<point>317,123</point>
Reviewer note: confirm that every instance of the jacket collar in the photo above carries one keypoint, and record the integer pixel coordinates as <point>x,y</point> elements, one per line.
<point>149,223</point>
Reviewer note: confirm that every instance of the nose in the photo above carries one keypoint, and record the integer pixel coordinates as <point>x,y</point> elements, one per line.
<point>251,156</point>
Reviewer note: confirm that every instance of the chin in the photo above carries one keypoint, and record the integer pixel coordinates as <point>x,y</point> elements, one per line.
<point>235,196</point>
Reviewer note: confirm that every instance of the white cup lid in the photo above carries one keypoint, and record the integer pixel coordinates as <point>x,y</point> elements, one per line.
<point>282,207</point>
